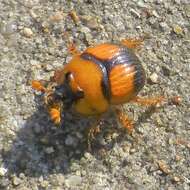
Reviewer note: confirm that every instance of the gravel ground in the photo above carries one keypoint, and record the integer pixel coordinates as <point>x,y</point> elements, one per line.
<point>33,42</point>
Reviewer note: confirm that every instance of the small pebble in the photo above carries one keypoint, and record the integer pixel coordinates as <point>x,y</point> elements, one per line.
<point>178,2</point>
<point>73,181</point>
<point>153,78</point>
<point>48,67</point>
<point>57,17</point>
<point>88,156</point>
<point>135,13</point>
<point>141,4</point>
<point>154,13</point>
<point>33,14</point>
<point>187,10</point>
<point>22,175</point>
<point>178,30</point>
<point>178,157</point>
<point>27,32</point>
<point>132,150</point>
<point>170,188</point>
<point>16,181</point>
<point>4,182</point>
<point>44,183</point>
<point>6,29</point>
<point>176,100</point>
<point>57,179</point>
<point>40,179</point>
<point>49,150</point>
<point>164,167</point>
<point>166,70</point>
<point>164,26</point>
<point>84,30</point>
<point>93,24</point>
<point>69,140</point>
<point>74,16</point>
<point>176,179</point>
<point>44,140</point>
<point>3,171</point>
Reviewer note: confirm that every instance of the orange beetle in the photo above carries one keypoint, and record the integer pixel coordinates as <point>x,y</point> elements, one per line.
<point>102,76</point>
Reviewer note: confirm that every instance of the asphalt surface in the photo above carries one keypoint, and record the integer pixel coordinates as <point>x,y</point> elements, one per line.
<point>34,154</point>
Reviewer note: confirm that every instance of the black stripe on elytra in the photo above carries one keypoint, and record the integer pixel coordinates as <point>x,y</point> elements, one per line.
<point>140,77</point>
<point>123,56</point>
<point>128,57</point>
<point>105,83</point>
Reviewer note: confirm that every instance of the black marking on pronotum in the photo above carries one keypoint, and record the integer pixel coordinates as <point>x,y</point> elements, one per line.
<point>105,80</point>
<point>65,94</point>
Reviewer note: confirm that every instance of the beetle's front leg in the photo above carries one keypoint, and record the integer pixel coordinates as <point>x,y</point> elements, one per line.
<point>55,113</point>
<point>54,109</point>
<point>37,85</point>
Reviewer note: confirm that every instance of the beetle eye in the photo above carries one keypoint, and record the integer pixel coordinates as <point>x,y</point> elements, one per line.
<point>79,94</point>
<point>59,93</point>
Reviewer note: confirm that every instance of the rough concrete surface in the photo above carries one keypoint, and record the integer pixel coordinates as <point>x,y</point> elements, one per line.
<point>34,154</point>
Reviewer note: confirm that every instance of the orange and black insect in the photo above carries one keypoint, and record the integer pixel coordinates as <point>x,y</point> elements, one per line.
<point>101,77</point>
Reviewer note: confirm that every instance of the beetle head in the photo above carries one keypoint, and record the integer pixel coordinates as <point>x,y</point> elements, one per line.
<point>63,93</point>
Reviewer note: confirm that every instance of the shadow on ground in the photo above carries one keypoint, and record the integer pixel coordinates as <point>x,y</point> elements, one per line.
<point>41,149</point>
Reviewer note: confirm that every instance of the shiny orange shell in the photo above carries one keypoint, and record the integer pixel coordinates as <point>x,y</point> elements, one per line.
<point>107,74</point>
<point>126,74</point>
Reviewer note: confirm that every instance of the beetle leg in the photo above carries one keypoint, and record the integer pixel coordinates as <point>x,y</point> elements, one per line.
<point>132,43</point>
<point>148,101</point>
<point>37,85</point>
<point>55,113</point>
<point>53,109</point>
<point>93,130</point>
<point>124,120</point>
<point>72,49</point>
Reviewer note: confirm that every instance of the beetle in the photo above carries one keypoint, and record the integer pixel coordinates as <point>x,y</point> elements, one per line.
<point>103,76</point>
